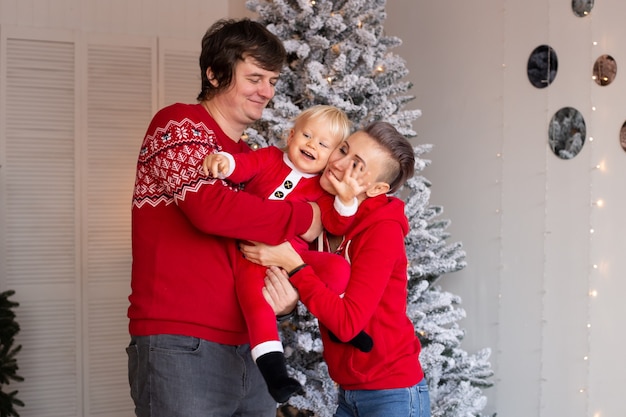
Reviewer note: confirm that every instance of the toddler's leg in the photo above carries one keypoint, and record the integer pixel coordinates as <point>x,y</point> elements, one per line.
<point>266,347</point>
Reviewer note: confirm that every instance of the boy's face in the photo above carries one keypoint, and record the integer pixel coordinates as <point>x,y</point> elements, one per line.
<point>310,144</point>
<point>361,152</point>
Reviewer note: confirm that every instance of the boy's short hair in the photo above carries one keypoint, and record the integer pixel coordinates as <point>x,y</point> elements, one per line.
<point>401,162</point>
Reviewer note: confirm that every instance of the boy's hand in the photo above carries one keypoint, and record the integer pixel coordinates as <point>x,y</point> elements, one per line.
<point>216,165</point>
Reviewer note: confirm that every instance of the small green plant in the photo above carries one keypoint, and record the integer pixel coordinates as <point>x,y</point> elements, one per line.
<point>8,363</point>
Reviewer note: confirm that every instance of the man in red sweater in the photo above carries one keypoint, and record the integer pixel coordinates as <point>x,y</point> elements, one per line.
<point>189,354</point>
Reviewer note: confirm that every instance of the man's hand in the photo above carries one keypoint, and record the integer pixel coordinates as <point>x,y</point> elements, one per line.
<point>278,291</point>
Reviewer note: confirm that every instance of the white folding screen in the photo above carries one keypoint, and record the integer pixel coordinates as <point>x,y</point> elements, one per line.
<point>40,227</point>
<point>73,111</point>
<point>120,86</point>
<point>178,64</point>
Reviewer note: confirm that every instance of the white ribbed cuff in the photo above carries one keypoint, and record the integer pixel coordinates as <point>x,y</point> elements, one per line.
<point>266,347</point>
<point>344,210</point>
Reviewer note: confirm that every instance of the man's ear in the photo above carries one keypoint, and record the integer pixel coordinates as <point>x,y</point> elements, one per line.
<point>211,77</point>
<point>377,189</point>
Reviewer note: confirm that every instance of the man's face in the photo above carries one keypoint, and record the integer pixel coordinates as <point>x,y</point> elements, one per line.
<point>251,90</point>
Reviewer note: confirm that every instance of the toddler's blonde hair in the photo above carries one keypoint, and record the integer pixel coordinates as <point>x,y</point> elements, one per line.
<point>338,122</point>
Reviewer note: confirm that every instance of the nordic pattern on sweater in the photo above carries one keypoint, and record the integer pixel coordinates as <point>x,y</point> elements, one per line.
<point>167,155</point>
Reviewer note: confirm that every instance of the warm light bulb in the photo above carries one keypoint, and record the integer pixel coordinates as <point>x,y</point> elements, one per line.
<point>600,203</point>
<point>593,293</point>
<point>591,231</point>
<point>586,358</point>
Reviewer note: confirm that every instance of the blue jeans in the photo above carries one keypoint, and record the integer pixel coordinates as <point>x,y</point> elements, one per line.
<point>179,376</point>
<point>400,402</point>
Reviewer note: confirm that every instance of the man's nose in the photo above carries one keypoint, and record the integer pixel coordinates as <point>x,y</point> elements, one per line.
<point>266,89</point>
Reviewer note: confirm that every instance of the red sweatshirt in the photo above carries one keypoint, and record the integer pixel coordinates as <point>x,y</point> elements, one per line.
<point>184,228</point>
<point>375,301</point>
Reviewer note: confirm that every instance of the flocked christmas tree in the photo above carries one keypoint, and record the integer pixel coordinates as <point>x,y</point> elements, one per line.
<point>338,54</point>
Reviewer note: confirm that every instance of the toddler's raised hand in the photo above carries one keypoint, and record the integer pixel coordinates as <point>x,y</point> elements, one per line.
<point>353,183</point>
<point>216,165</point>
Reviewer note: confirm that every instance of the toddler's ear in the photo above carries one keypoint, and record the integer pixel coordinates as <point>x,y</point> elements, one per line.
<point>290,137</point>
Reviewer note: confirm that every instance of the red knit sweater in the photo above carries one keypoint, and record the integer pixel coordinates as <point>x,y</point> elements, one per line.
<point>184,226</point>
<point>375,301</point>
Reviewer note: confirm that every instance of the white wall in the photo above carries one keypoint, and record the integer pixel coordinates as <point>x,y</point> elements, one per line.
<point>181,19</point>
<point>524,215</point>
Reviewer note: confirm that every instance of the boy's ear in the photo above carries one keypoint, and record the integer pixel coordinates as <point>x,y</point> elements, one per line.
<point>377,189</point>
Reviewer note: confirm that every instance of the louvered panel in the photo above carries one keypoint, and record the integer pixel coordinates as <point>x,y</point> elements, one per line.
<point>48,358</point>
<point>181,74</point>
<point>119,103</point>
<point>107,363</point>
<point>40,173</point>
